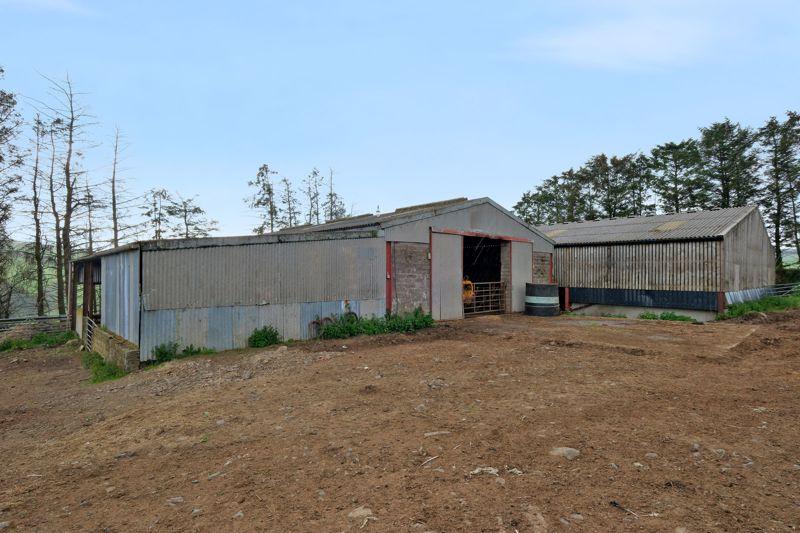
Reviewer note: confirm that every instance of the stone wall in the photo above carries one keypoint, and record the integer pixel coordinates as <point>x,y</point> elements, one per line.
<point>115,349</point>
<point>505,271</point>
<point>25,328</point>
<point>412,277</point>
<point>541,267</point>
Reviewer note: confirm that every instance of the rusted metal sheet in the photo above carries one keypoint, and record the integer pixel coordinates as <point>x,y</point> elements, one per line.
<point>521,274</point>
<point>264,274</point>
<point>446,276</point>
<point>119,294</point>
<point>225,328</point>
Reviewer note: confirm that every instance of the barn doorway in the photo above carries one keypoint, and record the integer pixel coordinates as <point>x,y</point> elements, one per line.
<point>484,286</point>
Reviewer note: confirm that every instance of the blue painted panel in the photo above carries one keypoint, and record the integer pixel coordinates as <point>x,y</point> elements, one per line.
<point>701,301</point>
<point>224,328</point>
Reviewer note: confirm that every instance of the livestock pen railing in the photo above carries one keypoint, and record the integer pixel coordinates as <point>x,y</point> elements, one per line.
<point>782,289</point>
<point>88,338</point>
<point>486,297</point>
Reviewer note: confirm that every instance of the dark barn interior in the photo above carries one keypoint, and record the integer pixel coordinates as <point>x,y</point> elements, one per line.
<point>481,259</point>
<point>484,290</point>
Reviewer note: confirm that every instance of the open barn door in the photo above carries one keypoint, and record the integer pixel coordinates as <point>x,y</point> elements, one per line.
<point>521,273</point>
<point>446,276</point>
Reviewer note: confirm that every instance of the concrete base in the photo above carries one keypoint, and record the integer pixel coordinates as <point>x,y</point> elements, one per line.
<point>634,312</point>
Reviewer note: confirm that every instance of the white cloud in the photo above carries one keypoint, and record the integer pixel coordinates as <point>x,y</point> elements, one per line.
<point>627,42</point>
<point>62,6</point>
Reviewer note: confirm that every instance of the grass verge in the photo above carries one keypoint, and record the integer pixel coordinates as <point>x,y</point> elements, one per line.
<point>40,339</point>
<point>763,305</point>
<point>351,325</point>
<point>101,369</point>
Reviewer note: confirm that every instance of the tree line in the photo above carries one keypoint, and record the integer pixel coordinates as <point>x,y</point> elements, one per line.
<point>727,165</point>
<point>278,205</point>
<point>54,208</point>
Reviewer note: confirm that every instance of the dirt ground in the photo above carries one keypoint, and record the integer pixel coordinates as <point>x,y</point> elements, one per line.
<point>450,429</point>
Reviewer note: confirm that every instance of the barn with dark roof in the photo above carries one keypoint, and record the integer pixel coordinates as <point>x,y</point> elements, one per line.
<point>697,261</point>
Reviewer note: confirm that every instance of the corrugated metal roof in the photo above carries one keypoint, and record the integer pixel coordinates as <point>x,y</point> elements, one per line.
<point>680,226</point>
<point>370,220</point>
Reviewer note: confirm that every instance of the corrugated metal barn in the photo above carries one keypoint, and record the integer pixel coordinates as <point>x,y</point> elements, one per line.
<point>214,292</point>
<point>696,260</point>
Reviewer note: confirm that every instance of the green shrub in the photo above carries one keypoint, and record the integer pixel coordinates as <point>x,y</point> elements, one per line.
<point>261,337</point>
<point>101,369</point>
<point>649,315</point>
<point>170,350</point>
<point>165,352</point>
<point>763,305</point>
<point>39,339</point>
<point>350,325</point>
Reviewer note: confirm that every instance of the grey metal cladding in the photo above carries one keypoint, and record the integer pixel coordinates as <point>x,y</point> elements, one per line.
<point>263,274</point>
<point>119,294</point>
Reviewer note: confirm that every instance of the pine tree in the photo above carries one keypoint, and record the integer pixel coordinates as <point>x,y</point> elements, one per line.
<point>311,185</point>
<point>156,211</point>
<point>675,176</point>
<point>264,200</point>
<point>189,220</point>
<point>289,209</point>
<point>333,206</point>
<point>729,162</point>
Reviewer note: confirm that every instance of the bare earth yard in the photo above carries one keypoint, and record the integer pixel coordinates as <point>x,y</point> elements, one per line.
<point>683,426</point>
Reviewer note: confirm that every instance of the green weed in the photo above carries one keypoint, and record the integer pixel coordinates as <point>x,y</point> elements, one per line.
<point>170,350</point>
<point>350,325</point>
<point>101,369</point>
<point>764,305</point>
<point>667,315</point>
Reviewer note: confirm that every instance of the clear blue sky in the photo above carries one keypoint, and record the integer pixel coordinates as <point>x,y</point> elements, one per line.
<point>408,101</point>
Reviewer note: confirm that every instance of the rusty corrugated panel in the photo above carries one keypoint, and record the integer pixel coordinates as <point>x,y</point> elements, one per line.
<point>262,274</point>
<point>119,294</point>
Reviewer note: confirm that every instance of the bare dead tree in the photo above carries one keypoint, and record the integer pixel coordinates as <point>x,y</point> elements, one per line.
<point>36,214</point>
<point>54,188</point>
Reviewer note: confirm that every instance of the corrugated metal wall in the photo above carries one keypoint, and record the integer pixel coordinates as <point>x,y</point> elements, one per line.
<point>119,294</point>
<point>261,274</point>
<point>217,296</point>
<point>680,266</point>
<point>749,257</point>
<point>697,300</point>
<point>224,328</point>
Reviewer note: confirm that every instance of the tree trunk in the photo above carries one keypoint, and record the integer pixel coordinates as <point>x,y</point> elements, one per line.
<point>60,287</point>
<point>114,214</point>
<point>37,226</point>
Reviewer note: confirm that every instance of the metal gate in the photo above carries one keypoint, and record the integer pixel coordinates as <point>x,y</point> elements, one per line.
<point>487,297</point>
